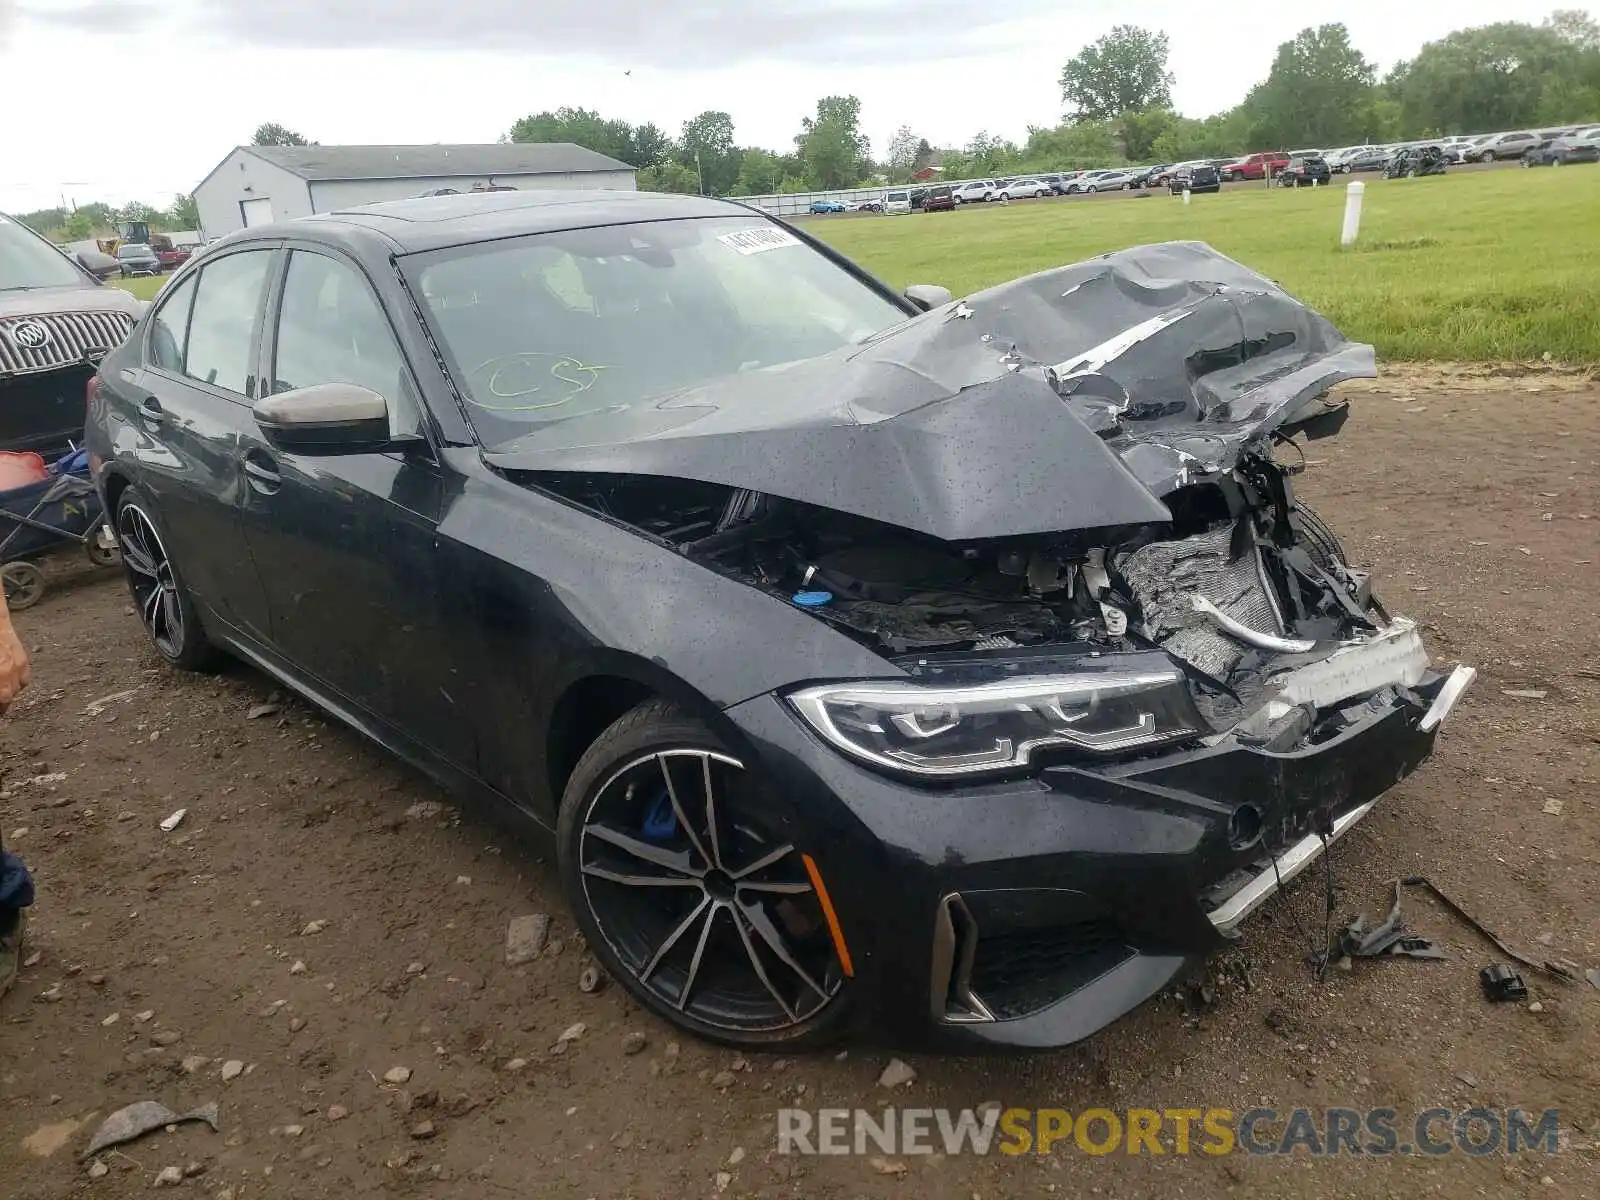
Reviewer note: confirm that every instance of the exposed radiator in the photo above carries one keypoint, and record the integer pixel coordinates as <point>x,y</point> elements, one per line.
<point>1164,575</point>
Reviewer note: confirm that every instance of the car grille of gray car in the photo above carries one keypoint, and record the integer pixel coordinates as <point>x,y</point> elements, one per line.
<point>72,338</point>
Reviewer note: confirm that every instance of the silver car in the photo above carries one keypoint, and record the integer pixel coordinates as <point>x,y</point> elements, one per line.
<point>1019,188</point>
<point>1107,181</point>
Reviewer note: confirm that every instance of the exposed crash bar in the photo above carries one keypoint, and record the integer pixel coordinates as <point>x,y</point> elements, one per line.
<point>1243,632</point>
<point>1290,863</point>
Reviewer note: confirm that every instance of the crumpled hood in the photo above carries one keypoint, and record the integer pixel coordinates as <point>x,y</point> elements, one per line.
<point>1070,399</point>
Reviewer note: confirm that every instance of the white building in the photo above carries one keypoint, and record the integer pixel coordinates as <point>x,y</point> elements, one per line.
<point>258,184</point>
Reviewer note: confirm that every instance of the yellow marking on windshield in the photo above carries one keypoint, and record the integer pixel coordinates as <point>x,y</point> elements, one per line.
<point>578,375</point>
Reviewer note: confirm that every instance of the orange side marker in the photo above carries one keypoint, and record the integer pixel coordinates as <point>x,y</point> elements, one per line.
<point>833,917</point>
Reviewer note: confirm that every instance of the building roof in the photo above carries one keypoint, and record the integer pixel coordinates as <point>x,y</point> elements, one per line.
<point>416,162</point>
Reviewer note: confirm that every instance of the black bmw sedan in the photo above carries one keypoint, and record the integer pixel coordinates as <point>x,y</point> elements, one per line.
<point>963,670</point>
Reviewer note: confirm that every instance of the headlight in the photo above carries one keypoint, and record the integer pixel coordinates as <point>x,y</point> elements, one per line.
<point>942,731</point>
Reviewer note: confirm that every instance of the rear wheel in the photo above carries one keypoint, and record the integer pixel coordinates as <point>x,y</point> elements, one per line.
<point>159,596</point>
<point>694,888</point>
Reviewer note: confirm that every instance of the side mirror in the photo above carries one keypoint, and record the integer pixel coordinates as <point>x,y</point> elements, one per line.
<point>928,296</point>
<point>97,264</point>
<point>326,418</point>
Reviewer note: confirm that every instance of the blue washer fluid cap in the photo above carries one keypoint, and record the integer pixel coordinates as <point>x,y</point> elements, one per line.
<point>813,599</point>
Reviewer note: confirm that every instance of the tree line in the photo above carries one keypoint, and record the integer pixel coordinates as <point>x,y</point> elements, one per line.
<point>1319,91</point>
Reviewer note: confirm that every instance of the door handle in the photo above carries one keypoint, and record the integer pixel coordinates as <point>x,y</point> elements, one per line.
<point>261,472</point>
<point>150,410</point>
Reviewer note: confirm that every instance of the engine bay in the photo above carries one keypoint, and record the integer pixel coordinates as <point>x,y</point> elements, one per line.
<point>1242,583</point>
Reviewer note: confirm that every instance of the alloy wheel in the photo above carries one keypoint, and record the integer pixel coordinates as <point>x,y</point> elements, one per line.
<point>711,911</point>
<point>150,575</point>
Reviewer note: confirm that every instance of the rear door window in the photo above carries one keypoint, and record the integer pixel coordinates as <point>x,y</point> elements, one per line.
<point>169,327</point>
<point>222,327</point>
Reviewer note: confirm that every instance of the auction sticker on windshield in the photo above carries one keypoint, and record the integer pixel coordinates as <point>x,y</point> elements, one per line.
<point>755,241</point>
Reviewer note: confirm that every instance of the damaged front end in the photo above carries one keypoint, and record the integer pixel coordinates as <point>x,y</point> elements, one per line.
<point>1083,462</point>
<point>1070,532</point>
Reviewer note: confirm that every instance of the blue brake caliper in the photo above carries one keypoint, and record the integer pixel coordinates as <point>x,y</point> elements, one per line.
<point>660,823</point>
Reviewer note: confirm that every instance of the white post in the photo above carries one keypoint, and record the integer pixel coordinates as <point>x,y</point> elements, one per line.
<point>1352,213</point>
<point>1186,195</point>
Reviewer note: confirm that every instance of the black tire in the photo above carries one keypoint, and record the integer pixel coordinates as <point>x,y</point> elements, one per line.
<point>1486,157</point>
<point>1320,541</point>
<point>160,599</point>
<point>611,795</point>
<point>24,584</point>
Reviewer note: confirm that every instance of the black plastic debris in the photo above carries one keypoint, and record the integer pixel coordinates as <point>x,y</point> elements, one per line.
<point>1391,937</point>
<point>1554,970</point>
<point>1502,983</point>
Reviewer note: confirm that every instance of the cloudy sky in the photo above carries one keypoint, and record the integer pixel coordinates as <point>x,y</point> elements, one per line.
<point>125,99</point>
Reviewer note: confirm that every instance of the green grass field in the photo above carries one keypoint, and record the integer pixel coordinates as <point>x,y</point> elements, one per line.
<point>1485,265</point>
<point>1500,265</point>
<point>143,286</point>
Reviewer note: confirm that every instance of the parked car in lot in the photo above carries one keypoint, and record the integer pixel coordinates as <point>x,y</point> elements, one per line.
<point>1557,152</point>
<point>1255,166</point>
<point>135,258</point>
<point>733,613</point>
<point>1455,147</point>
<point>941,197</point>
<point>1019,189</point>
<point>827,206</point>
<point>897,202</point>
<point>1500,145</point>
<point>979,191</point>
<point>872,205</point>
<point>1107,179</point>
<point>1194,177</point>
<point>1303,170</point>
<point>1359,158</point>
<point>1056,181</point>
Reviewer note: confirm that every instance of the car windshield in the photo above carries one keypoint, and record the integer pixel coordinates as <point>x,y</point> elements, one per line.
<point>28,261</point>
<point>589,322</point>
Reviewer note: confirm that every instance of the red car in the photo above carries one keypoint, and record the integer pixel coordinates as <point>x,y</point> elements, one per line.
<point>172,259</point>
<point>1256,166</point>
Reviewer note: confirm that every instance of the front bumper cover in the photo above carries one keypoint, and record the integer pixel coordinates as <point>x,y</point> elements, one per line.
<point>1031,913</point>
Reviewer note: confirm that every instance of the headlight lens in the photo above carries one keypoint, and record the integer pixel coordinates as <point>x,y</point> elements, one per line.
<point>995,727</point>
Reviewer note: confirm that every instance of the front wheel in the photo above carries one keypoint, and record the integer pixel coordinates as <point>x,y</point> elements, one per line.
<point>159,597</point>
<point>1090,189</point>
<point>1486,157</point>
<point>694,887</point>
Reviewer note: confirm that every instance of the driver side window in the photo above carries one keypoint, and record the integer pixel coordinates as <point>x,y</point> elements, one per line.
<point>331,329</point>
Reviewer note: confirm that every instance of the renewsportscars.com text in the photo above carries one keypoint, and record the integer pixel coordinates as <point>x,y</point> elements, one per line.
<point>1180,1131</point>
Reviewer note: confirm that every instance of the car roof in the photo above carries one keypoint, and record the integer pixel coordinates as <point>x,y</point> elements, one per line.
<point>433,222</point>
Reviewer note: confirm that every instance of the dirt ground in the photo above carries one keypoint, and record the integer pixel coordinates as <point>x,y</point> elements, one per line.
<point>319,920</point>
